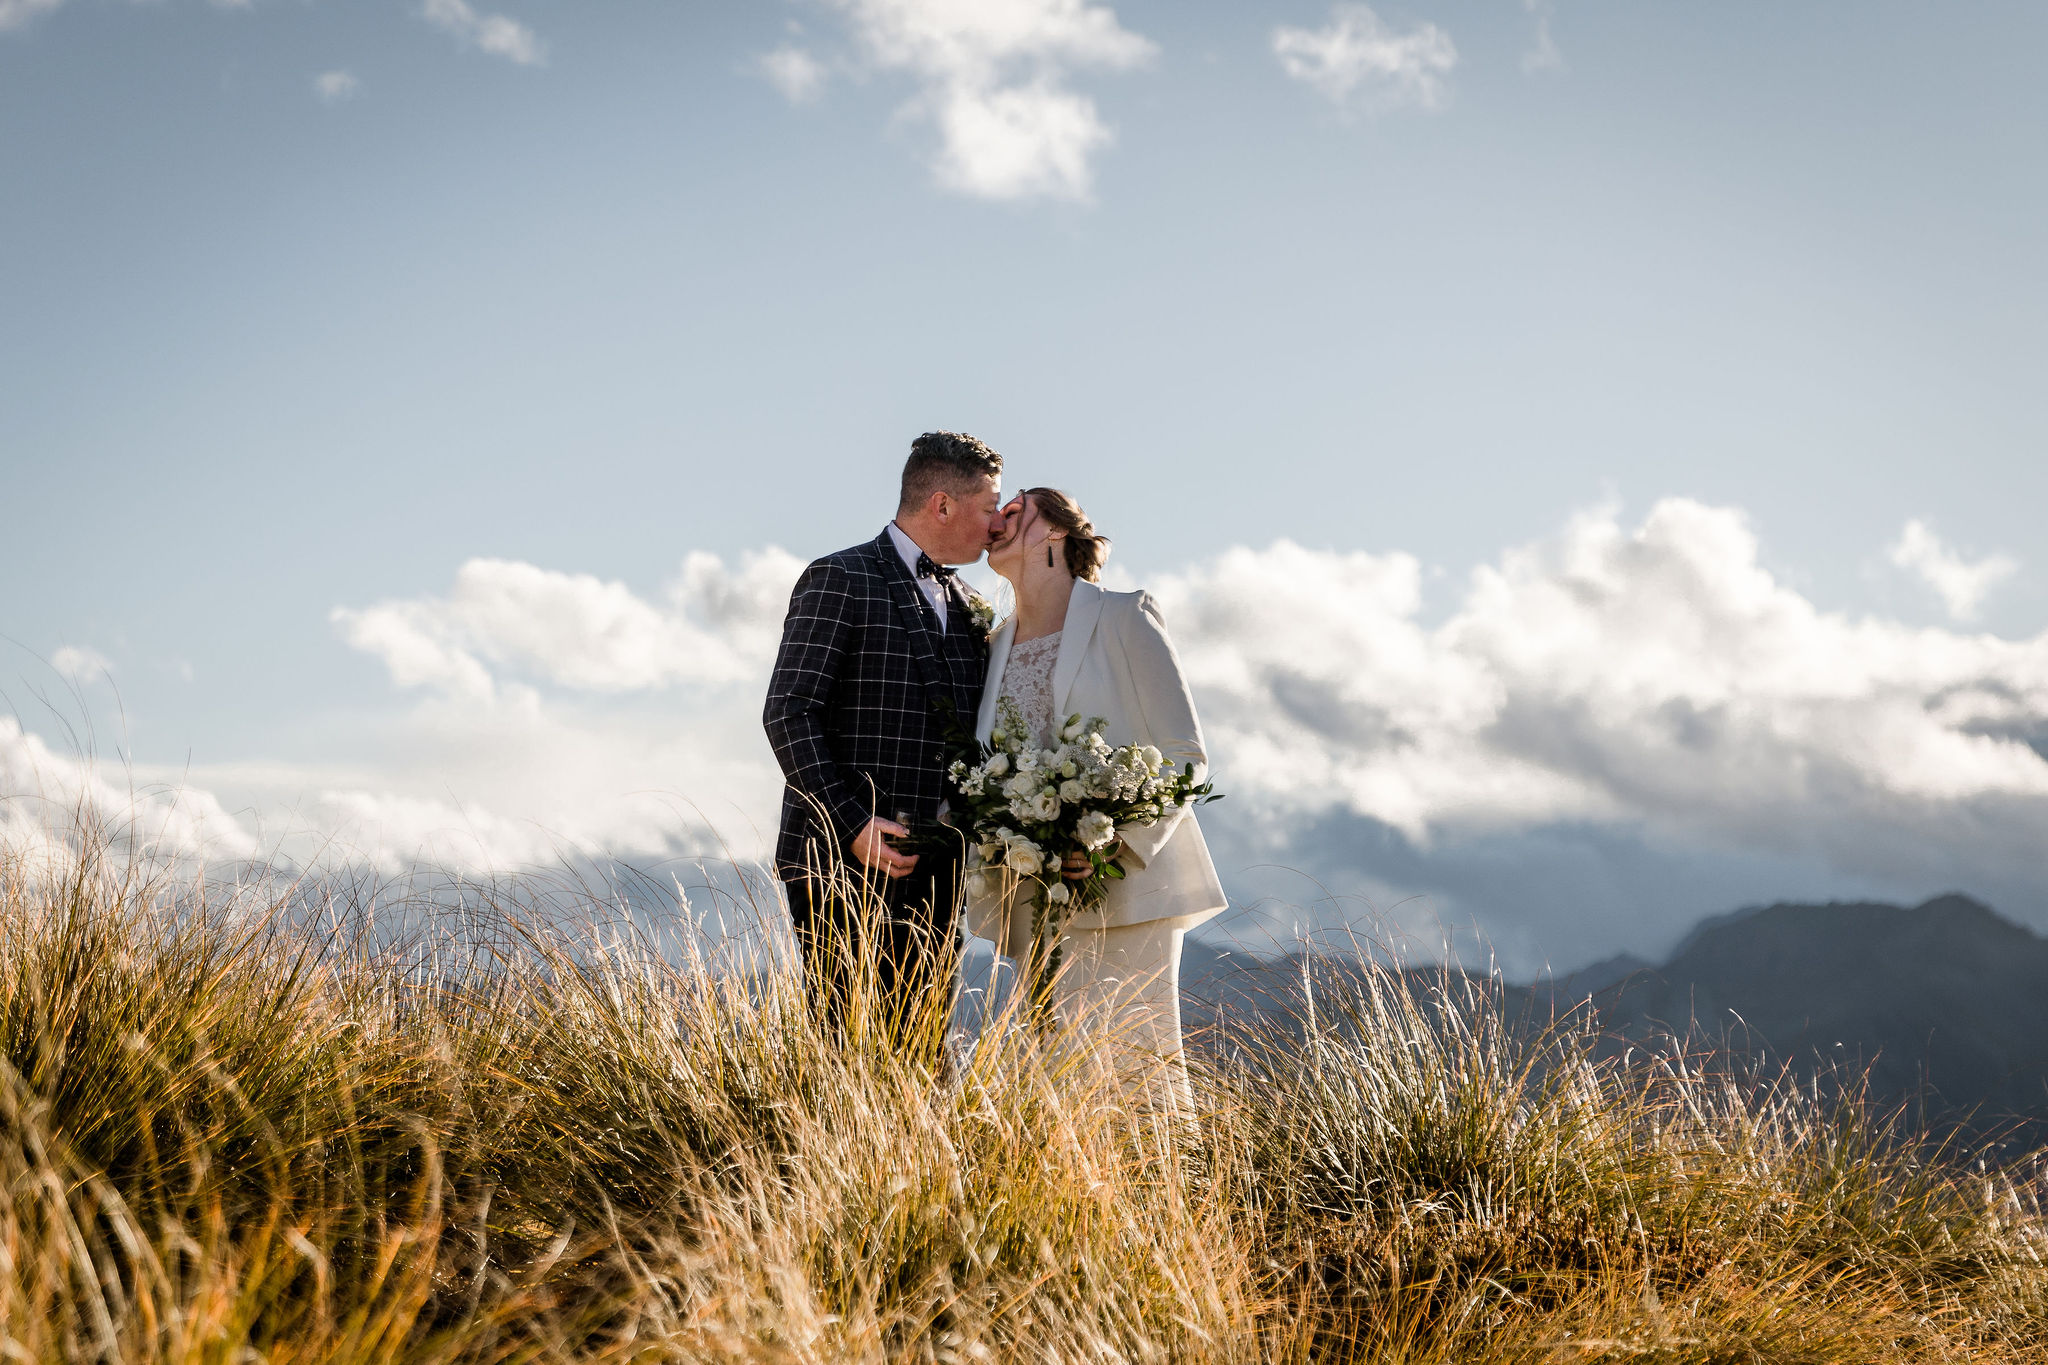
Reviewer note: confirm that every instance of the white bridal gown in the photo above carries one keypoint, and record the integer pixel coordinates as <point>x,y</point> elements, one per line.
<point>1123,982</point>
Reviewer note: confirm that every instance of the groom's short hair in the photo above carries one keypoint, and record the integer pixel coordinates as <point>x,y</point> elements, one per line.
<point>945,461</point>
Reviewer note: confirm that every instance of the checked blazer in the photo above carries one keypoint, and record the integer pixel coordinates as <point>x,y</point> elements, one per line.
<point>850,710</point>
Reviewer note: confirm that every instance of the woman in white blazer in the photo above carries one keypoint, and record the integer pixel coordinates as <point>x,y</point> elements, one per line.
<point>1071,647</point>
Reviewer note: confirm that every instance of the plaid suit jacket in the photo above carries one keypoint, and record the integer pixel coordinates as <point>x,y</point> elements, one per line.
<point>850,703</point>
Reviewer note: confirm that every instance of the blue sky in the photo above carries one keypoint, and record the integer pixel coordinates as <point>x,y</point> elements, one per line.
<point>305,306</point>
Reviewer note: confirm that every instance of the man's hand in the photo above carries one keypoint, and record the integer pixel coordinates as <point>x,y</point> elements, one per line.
<point>871,848</point>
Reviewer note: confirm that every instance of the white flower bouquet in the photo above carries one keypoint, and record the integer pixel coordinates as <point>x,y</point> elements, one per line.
<point>1027,808</point>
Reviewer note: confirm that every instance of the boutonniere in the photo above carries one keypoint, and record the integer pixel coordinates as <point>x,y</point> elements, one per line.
<point>980,612</point>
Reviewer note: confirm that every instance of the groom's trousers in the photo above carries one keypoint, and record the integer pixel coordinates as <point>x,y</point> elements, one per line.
<point>884,949</point>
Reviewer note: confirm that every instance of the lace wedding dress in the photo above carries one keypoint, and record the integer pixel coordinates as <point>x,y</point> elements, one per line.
<point>1027,680</point>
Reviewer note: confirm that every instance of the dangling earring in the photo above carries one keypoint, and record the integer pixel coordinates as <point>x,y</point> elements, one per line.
<point>1048,554</point>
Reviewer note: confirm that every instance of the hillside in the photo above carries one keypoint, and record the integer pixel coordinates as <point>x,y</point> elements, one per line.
<point>1945,1002</point>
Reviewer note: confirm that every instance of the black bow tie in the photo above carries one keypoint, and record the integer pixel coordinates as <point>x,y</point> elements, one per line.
<point>926,568</point>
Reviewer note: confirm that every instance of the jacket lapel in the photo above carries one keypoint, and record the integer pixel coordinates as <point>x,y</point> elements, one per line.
<point>1084,608</point>
<point>998,658</point>
<point>911,607</point>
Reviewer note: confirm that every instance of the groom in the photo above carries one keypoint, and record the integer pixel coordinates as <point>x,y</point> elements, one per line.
<point>874,637</point>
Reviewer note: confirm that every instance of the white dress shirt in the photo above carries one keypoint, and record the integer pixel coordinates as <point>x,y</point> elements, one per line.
<point>934,591</point>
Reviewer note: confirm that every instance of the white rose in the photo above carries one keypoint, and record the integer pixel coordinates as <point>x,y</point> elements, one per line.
<point>1057,894</point>
<point>1023,858</point>
<point>1153,758</point>
<point>998,765</point>
<point>1047,806</point>
<point>1095,830</point>
<point>1071,791</point>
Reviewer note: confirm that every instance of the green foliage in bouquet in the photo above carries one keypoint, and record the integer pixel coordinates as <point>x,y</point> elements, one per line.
<point>1026,808</point>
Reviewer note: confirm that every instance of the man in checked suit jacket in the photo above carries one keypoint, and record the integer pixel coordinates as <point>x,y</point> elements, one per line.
<point>875,636</point>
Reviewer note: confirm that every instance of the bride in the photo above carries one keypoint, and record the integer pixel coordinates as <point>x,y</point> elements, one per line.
<point>1072,647</point>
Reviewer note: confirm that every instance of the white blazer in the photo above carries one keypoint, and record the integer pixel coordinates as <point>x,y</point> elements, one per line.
<point>1116,662</point>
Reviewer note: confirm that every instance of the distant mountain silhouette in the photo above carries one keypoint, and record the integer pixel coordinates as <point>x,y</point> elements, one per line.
<point>1944,1003</point>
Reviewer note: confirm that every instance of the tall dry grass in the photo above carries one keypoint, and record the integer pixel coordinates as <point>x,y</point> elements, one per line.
<point>241,1124</point>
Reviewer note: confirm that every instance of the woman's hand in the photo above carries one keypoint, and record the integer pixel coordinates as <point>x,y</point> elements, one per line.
<point>1078,865</point>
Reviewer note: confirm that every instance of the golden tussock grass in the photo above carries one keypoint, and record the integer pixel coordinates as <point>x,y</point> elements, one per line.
<point>239,1124</point>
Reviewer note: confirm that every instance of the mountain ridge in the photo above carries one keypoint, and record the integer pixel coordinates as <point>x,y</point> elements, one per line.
<point>1941,1005</point>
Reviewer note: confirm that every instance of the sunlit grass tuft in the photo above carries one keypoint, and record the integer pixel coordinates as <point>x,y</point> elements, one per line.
<point>258,1118</point>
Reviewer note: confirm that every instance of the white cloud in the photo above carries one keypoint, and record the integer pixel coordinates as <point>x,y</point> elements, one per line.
<point>563,716</point>
<point>496,34</point>
<point>795,72</point>
<point>44,793</point>
<point>993,79</point>
<point>79,664</point>
<point>335,86</point>
<point>1359,54</point>
<point>1961,583</point>
<point>1646,687</point>
<point>529,780</point>
<point>1659,675</point>
<point>15,13</point>
<point>1650,677</point>
<point>1017,142</point>
<point>716,625</point>
<point>1542,54</point>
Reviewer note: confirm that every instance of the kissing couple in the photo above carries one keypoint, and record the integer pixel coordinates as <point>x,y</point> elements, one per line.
<point>882,644</point>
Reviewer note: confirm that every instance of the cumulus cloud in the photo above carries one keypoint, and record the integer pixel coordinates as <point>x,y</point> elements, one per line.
<point>1599,737</point>
<point>335,86</point>
<point>556,716</point>
<point>581,716</point>
<point>993,79</point>
<point>795,72</point>
<point>1961,583</point>
<point>1650,678</point>
<point>1543,54</point>
<point>44,792</point>
<point>497,34</point>
<point>714,625</point>
<point>1659,673</point>
<point>15,13</point>
<point>534,780</point>
<point>79,664</point>
<point>1650,689</point>
<point>1358,57</point>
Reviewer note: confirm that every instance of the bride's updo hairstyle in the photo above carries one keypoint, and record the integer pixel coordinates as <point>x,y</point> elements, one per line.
<point>1085,549</point>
